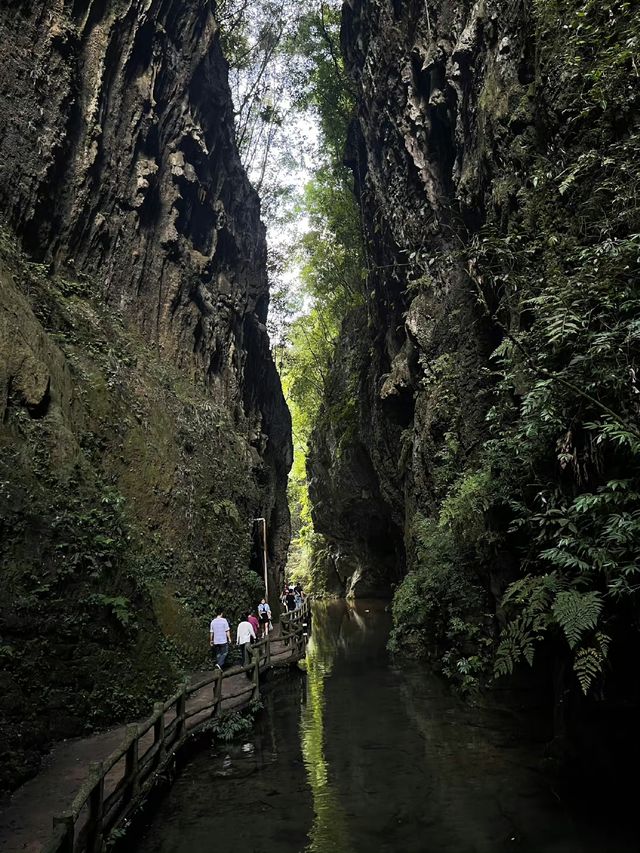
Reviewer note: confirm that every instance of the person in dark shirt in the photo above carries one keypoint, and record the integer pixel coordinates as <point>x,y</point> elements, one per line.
<point>291,600</point>
<point>255,623</point>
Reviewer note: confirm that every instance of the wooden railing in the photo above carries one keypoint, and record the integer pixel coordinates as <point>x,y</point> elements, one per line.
<point>294,627</point>
<point>114,786</point>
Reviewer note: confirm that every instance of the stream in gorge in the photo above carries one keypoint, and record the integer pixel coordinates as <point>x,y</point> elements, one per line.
<point>361,756</point>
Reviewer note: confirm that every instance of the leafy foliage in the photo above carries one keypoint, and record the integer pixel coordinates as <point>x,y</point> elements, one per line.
<point>328,257</point>
<point>231,726</point>
<point>566,458</point>
<point>234,724</point>
<point>556,269</point>
<point>439,609</point>
<point>576,613</point>
<point>589,661</point>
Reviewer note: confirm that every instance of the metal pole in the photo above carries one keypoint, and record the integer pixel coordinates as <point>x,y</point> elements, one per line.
<point>264,541</point>
<point>264,555</point>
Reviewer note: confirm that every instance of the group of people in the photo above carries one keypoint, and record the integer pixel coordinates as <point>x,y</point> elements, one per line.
<point>250,627</point>
<point>292,597</point>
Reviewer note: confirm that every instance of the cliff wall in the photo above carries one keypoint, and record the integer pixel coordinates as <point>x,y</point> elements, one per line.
<point>143,427</point>
<point>422,148</point>
<point>489,441</point>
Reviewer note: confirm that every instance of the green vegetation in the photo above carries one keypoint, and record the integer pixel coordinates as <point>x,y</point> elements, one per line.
<point>116,540</point>
<point>559,477</point>
<point>441,609</point>
<point>530,531</point>
<point>332,278</point>
<point>234,724</point>
<point>288,86</point>
<point>308,83</point>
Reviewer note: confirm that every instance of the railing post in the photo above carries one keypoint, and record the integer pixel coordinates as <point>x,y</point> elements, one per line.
<point>181,710</point>
<point>158,728</point>
<point>217,693</point>
<point>256,675</point>
<point>69,822</point>
<point>268,650</point>
<point>131,762</point>
<point>96,808</point>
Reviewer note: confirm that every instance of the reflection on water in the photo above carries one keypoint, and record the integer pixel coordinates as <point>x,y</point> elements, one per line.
<point>329,830</point>
<point>361,757</point>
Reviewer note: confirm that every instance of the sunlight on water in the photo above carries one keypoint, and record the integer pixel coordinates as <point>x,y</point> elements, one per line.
<point>329,830</point>
<point>362,756</point>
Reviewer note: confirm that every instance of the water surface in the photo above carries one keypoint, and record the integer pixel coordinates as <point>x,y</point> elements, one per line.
<point>359,756</point>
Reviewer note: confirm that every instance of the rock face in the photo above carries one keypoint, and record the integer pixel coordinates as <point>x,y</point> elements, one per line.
<point>359,512</point>
<point>143,423</point>
<point>420,150</point>
<point>485,386</point>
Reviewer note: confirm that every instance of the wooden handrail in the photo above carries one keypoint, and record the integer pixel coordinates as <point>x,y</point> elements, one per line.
<point>105,812</point>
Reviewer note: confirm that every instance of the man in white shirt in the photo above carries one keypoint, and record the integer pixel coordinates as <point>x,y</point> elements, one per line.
<point>219,638</point>
<point>244,635</point>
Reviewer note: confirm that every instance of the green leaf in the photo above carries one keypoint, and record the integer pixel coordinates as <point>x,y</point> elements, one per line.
<point>577,612</point>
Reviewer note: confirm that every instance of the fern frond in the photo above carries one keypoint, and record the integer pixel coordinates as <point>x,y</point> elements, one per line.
<point>576,612</point>
<point>603,641</point>
<point>517,641</point>
<point>587,666</point>
<point>533,591</point>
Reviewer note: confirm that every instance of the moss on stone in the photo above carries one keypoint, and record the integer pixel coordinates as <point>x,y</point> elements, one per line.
<point>120,481</point>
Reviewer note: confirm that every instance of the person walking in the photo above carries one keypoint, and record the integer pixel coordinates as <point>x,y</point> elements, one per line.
<point>244,636</point>
<point>264,614</point>
<point>291,599</point>
<point>254,622</point>
<point>220,638</point>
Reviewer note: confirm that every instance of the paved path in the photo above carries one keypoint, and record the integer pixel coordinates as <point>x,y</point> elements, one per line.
<point>26,817</point>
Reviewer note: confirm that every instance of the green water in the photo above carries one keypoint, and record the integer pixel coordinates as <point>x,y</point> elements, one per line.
<point>362,757</point>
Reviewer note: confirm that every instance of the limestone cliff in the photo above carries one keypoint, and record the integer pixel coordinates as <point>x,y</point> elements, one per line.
<point>143,424</point>
<point>488,386</point>
<point>420,151</point>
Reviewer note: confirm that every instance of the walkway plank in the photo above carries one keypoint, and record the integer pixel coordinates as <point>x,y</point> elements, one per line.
<point>26,818</point>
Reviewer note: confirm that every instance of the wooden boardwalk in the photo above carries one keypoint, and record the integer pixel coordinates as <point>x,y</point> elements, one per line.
<point>88,786</point>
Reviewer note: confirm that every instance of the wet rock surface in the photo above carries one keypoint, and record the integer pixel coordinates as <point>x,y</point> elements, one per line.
<point>140,406</point>
<point>423,149</point>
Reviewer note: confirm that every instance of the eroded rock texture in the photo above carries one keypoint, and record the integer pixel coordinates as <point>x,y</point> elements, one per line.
<point>135,369</point>
<point>495,153</point>
<point>118,160</point>
<point>421,151</point>
<point>483,137</point>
